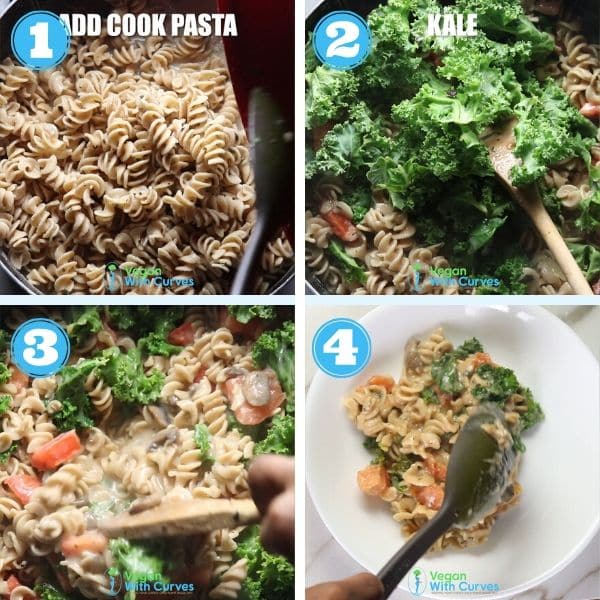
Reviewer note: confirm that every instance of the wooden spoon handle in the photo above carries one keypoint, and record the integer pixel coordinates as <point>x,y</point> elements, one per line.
<point>530,201</point>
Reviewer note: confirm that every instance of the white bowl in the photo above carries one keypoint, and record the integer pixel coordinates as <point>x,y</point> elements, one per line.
<point>559,511</point>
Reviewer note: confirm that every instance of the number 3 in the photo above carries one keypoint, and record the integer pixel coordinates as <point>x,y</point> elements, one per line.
<point>40,340</point>
<point>344,350</point>
<point>338,47</point>
<point>40,49</point>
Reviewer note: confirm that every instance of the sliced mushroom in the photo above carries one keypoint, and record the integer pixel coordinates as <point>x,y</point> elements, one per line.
<point>159,414</point>
<point>256,389</point>
<point>412,358</point>
<point>234,372</point>
<point>164,437</point>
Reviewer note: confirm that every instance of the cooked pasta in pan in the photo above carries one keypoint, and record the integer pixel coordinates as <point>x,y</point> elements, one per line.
<point>411,424</point>
<point>131,151</point>
<point>154,405</point>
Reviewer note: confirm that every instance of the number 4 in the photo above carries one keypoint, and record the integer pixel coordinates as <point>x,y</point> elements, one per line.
<point>340,344</point>
<point>40,49</point>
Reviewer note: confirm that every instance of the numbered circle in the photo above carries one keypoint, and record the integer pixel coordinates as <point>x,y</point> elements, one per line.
<point>40,347</point>
<point>40,40</point>
<point>342,40</point>
<point>341,348</point>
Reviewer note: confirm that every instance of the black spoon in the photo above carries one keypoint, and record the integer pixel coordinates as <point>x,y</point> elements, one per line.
<point>479,471</point>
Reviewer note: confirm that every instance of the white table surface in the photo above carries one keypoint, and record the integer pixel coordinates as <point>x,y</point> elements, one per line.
<point>326,560</point>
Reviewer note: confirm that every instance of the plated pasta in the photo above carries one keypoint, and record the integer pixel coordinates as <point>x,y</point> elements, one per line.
<point>154,405</point>
<point>131,152</point>
<point>411,425</point>
<point>401,195</point>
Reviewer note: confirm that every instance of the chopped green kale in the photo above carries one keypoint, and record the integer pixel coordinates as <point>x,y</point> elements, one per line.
<point>85,323</point>
<point>4,456</point>
<point>350,268</point>
<point>202,439</point>
<point>501,383</point>
<point>269,576</point>
<point>279,438</point>
<point>245,313</point>
<point>429,396</point>
<point>5,402</point>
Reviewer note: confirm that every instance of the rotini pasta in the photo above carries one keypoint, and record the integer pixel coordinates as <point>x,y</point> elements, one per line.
<point>411,424</point>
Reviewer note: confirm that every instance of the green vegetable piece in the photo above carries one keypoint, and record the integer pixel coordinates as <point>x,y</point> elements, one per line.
<point>501,383</point>
<point>534,413</point>
<point>467,348</point>
<point>155,343</point>
<point>269,576</point>
<point>279,438</point>
<point>202,439</point>
<point>275,349</point>
<point>140,561</point>
<point>429,396</point>
<point>130,385</point>
<point>349,266</point>
<point>86,323</point>
<point>244,314</point>
<point>5,373</point>
<point>445,374</point>
<point>4,456</point>
<point>5,402</point>
<point>329,94</point>
<point>45,591</point>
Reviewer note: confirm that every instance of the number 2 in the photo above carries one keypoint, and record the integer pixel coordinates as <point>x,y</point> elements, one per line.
<point>40,340</point>
<point>341,344</point>
<point>40,49</point>
<point>339,47</point>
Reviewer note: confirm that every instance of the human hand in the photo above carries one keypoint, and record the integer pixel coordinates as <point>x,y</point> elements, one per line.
<point>363,586</point>
<point>271,479</point>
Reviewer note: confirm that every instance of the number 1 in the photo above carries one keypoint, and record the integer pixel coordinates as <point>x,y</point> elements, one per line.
<point>40,49</point>
<point>344,350</point>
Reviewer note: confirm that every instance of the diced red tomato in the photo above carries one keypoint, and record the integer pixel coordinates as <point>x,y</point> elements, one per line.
<point>251,330</point>
<point>384,380</point>
<point>373,480</point>
<point>319,133</point>
<point>18,379</point>
<point>341,226</point>
<point>57,451</point>
<point>550,8</point>
<point>200,374</point>
<point>481,358</point>
<point>434,59</point>
<point>90,541</point>
<point>444,397</point>
<point>589,110</point>
<point>22,486</point>
<point>12,583</point>
<point>430,496</point>
<point>250,414</point>
<point>182,335</point>
<point>438,470</point>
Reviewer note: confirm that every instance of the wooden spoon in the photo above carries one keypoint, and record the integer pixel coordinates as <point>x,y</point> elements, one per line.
<point>500,145</point>
<point>184,517</point>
